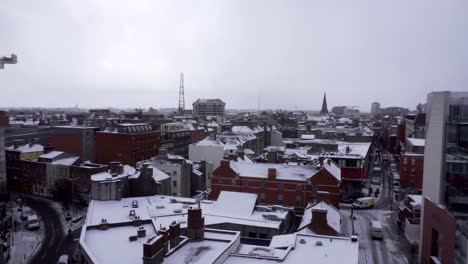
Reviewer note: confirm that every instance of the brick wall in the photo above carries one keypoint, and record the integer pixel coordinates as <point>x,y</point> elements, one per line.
<point>438,238</point>
<point>411,176</point>
<point>126,148</point>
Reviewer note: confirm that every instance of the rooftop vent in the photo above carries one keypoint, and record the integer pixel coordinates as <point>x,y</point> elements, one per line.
<point>141,232</point>
<point>318,243</point>
<point>132,238</point>
<point>160,206</point>
<point>302,241</point>
<point>354,238</point>
<point>177,211</point>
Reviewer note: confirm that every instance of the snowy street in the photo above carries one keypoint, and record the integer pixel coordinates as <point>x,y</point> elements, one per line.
<point>391,249</point>
<point>24,243</point>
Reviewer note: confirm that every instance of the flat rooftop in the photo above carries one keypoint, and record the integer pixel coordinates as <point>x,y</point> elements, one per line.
<point>166,209</point>
<point>113,246</point>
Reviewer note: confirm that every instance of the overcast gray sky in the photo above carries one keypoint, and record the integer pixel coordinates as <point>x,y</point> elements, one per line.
<point>98,53</point>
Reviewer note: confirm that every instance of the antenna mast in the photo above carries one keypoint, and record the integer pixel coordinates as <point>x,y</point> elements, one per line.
<point>181,94</point>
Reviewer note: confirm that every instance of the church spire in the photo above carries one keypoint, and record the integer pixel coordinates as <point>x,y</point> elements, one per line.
<point>324,110</point>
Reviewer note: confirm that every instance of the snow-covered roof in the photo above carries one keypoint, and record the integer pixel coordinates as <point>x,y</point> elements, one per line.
<point>307,136</point>
<point>67,161</point>
<point>416,198</point>
<point>27,148</point>
<point>242,130</point>
<point>51,154</point>
<point>107,176</point>
<point>333,168</point>
<point>305,248</point>
<point>333,217</point>
<point>166,209</point>
<point>417,142</point>
<point>235,204</point>
<point>283,171</point>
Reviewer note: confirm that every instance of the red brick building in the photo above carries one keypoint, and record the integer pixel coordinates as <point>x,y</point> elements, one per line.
<point>438,235</point>
<point>128,143</point>
<point>76,140</point>
<point>288,185</point>
<point>411,171</point>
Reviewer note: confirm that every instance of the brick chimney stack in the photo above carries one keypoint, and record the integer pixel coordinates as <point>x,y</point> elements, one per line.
<point>319,220</point>
<point>195,224</point>
<point>146,170</point>
<point>174,234</point>
<point>153,250</point>
<point>232,156</point>
<point>115,167</point>
<point>271,173</point>
<point>225,163</point>
<point>322,197</point>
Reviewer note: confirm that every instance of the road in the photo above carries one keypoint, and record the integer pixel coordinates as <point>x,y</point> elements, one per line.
<point>56,242</point>
<point>386,194</point>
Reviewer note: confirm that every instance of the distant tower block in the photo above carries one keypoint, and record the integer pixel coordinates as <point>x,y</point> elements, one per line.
<point>181,94</point>
<point>324,110</point>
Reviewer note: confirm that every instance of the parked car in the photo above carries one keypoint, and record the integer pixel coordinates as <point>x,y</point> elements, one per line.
<point>32,222</point>
<point>63,259</point>
<point>376,230</point>
<point>25,213</point>
<point>364,202</point>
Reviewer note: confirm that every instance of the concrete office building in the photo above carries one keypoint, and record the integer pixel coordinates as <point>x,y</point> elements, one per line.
<point>444,234</point>
<point>208,107</point>
<point>375,108</point>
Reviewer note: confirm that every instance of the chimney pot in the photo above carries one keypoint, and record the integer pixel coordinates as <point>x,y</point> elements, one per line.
<point>271,173</point>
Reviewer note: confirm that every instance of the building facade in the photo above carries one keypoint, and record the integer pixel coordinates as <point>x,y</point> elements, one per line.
<point>76,140</point>
<point>127,143</point>
<point>289,185</point>
<point>445,184</point>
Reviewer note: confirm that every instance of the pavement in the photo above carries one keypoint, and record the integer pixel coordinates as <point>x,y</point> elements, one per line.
<point>57,243</point>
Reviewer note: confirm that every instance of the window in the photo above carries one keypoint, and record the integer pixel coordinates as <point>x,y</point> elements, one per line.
<point>245,183</point>
<point>262,197</point>
<point>234,182</point>
<point>280,186</point>
<point>413,162</point>
<point>174,183</point>
<point>280,198</point>
<point>405,161</point>
<point>298,200</point>
<point>262,184</point>
<point>298,187</point>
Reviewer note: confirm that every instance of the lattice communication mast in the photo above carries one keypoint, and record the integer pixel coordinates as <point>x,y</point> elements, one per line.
<point>181,94</point>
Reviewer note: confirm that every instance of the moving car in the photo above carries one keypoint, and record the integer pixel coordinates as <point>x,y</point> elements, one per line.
<point>376,180</point>
<point>32,222</point>
<point>376,230</point>
<point>364,202</point>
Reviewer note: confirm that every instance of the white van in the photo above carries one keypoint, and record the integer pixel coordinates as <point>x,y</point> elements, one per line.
<point>364,202</point>
<point>376,230</point>
<point>33,222</point>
